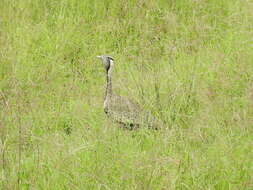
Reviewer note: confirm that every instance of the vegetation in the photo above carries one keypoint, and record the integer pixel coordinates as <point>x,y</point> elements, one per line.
<point>188,61</point>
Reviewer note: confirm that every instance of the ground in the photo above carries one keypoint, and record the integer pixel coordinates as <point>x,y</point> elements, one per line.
<point>189,62</point>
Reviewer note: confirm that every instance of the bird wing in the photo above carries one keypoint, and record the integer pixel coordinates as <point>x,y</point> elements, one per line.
<point>124,110</point>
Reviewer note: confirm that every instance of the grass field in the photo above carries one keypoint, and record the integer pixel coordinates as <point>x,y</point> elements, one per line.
<point>188,61</point>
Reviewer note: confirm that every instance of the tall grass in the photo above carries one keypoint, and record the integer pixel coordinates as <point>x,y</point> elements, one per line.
<point>188,61</point>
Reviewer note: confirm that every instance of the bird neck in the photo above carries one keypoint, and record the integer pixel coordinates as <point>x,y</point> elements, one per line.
<point>108,92</point>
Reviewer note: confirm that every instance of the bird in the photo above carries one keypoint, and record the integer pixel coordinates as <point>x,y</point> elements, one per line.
<point>121,109</point>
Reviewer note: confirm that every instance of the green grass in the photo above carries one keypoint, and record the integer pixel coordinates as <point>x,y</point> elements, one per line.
<point>190,62</point>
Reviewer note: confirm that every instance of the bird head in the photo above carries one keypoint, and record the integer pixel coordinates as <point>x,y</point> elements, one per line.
<point>107,61</point>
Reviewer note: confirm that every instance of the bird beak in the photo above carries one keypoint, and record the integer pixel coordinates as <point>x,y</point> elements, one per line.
<point>98,56</point>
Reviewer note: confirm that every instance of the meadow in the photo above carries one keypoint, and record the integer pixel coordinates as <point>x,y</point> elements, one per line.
<point>190,62</point>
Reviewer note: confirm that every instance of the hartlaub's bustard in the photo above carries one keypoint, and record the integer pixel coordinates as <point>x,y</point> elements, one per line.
<point>121,109</point>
